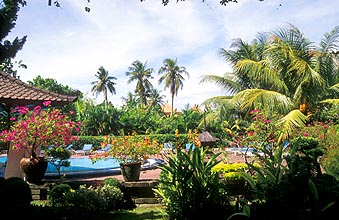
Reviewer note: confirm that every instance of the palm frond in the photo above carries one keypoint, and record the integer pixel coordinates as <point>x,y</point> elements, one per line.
<point>263,99</point>
<point>294,119</point>
<point>334,88</point>
<point>330,101</point>
<point>225,82</point>
<point>330,41</point>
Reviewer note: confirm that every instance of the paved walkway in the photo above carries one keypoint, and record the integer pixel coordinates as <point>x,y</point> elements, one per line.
<point>144,175</point>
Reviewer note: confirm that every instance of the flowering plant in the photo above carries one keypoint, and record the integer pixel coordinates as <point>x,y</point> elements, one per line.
<point>129,148</point>
<point>39,128</point>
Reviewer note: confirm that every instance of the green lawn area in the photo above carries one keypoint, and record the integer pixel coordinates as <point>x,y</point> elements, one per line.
<point>145,212</point>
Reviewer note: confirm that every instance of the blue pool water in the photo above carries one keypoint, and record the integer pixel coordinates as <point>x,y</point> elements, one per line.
<point>84,166</point>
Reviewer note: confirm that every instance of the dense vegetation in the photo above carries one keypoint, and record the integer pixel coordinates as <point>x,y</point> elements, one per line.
<point>283,105</point>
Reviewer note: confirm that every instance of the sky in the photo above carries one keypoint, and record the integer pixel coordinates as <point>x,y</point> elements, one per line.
<point>69,44</point>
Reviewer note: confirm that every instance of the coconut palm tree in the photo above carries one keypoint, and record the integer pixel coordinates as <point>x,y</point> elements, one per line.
<point>131,100</point>
<point>155,98</point>
<point>287,73</point>
<point>141,74</point>
<point>104,83</point>
<point>172,77</point>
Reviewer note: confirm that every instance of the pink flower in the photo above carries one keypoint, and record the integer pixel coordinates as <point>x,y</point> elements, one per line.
<point>22,109</point>
<point>251,133</point>
<point>47,103</point>
<point>40,128</point>
<point>37,109</point>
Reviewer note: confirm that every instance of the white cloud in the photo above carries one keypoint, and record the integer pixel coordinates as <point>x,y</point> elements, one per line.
<point>69,44</point>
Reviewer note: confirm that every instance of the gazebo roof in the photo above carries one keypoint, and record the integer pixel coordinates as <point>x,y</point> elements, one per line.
<point>14,92</point>
<point>206,139</point>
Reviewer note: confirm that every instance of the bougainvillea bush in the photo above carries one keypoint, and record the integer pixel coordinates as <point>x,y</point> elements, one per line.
<point>40,127</point>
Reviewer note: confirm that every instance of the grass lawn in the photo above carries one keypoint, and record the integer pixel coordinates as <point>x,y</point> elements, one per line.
<point>145,212</point>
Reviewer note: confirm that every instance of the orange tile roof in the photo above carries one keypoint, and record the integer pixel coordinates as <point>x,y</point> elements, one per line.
<point>13,92</point>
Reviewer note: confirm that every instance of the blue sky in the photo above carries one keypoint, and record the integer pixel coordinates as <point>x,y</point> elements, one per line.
<point>69,44</point>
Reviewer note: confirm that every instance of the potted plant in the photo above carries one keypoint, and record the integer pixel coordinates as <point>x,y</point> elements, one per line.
<point>130,151</point>
<point>38,129</point>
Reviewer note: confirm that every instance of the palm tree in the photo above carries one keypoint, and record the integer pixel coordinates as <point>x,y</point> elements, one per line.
<point>104,83</point>
<point>156,99</point>
<point>140,73</point>
<point>173,77</point>
<point>130,100</point>
<point>284,72</point>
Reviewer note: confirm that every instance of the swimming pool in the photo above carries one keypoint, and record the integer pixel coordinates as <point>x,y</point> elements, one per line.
<point>83,167</point>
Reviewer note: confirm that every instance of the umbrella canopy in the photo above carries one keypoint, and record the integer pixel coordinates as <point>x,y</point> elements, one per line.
<point>206,139</point>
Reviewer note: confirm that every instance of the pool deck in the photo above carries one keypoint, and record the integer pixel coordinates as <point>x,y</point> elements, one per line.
<point>154,174</point>
<point>148,174</point>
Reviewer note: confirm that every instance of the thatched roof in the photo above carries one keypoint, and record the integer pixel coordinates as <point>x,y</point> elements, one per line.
<point>206,139</point>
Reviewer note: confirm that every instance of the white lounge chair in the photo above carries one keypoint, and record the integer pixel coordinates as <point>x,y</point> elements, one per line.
<point>189,146</point>
<point>103,150</point>
<point>85,149</point>
<point>168,147</point>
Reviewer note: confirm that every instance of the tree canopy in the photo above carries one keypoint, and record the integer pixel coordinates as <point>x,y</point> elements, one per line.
<point>8,16</point>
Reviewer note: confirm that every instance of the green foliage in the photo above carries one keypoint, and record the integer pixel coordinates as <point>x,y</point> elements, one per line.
<point>95,140</point>
<point>149,212</point>
<point>328,137</point>
<point>126,202</point>
<point>286,183</point>
<point>129,148</point>
<point>104,83</point>
<point>231,175</point>
<point>330,162</point>
<point>105,119</point>
<point>57,193</point>
<point>328,113</point>
<point>8,67</point>
<point>100,119</point>
<point>113,182</point>
<point>172,76</point>
<point>58,157</point>
<point>8,14</point>
<point>52,85</point>
<point>111,197</point>
<point>304,143</point>
<point>189,189</point>
<point>230,172</point>
<point>305,161</point>
<point>225,169</point>
<point>142,120</point>
<point>85,202</point>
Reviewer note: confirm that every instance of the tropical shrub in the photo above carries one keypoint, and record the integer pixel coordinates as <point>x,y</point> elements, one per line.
<point>231,175</point>
<point>126,203</point>
<point>292,182</point>
<point>327,134</point>
<point>330,161</point>
<point>85,202</point>
<point>189,189</point>
<point>129,148</point>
